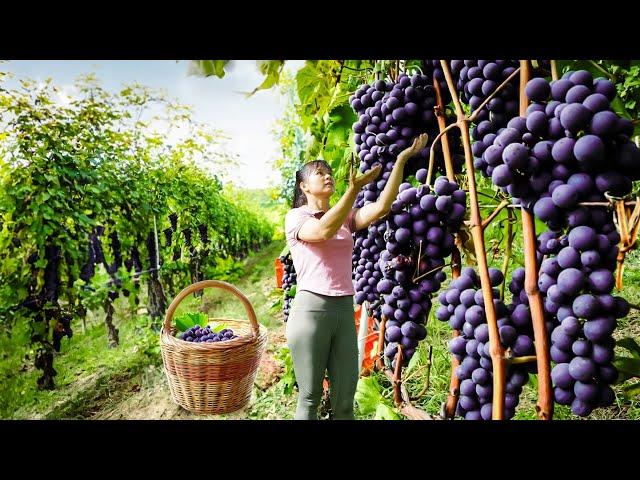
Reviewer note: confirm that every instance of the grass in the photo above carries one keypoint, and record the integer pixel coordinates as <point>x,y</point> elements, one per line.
<point>87,371</point>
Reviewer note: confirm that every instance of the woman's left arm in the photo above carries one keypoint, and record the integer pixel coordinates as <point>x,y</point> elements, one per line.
<point>371,212</point>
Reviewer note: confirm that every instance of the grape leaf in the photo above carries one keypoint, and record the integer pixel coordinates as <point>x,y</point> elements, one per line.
<point>190,319</point>
<point>632,390</point>
<point>217,326</point>
<point>631,345</point>
<point>368,395</point>
<point>630,366</point>
<point>384,412</point>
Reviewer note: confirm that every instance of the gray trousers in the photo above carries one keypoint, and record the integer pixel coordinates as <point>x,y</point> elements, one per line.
<point>321,335</point>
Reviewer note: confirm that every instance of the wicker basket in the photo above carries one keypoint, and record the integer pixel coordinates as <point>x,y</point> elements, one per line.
<point>213,377</point>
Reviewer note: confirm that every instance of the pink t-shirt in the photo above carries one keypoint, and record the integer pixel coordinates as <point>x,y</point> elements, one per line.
<point>321,267</point>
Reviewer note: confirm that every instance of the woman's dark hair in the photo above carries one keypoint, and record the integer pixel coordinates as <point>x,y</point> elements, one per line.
<point>299,198</point>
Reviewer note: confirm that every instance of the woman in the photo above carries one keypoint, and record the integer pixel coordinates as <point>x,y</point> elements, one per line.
<point>321,330</point>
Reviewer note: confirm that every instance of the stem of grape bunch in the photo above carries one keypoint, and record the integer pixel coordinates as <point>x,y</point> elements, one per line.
<point>554,70</point>
<point>496,350</point>
<point>507,253</point>
<point>379,363</point>
<point>544,407</point>
<point>397,378</point>
<point>442,125</point>
<point>406,408</point>
<point>494,214</point>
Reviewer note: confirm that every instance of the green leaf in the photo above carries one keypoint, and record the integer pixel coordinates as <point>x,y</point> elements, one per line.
<point>218,326</point>
<point>288,379</point>
<point>619,107</point>
<point>207,68</point>
<point>307,82</point>
<point>629,366</point>
<point>631,345</point>
<point>368,395</point>
<point>632,390</point>
<point>272,70</point>
<point>190,319</point>
<point>384,412</point>
<point>292,291</point>
<point>41,263</point>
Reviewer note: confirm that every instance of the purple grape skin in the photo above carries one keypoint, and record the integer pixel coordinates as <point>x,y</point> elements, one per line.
<point>586,392</point>
<point>599,328</point>
<point>563,396</point>
<point>537,89</point>
<point>586,306</point>
<point>582,369</point>
<point>570,281</point>
<point>561,377</point>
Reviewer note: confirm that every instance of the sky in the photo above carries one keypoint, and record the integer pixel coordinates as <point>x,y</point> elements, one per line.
<point>215,101</point>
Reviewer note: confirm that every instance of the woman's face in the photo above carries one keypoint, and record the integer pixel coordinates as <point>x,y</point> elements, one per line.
<point>320,183</point>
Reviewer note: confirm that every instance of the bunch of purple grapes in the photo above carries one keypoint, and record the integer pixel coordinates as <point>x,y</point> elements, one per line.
<point>433,69</point>
<point>200,334</point>
<point>61,330</point>
<point>53,255</point>
<point>476,80</point>
<point>566,150</point>
<point>366,252</point>
<point>117,253</point>
<point>419,236</point>
<point>289,279</point>
<point>134,260</point>
<point>87,271</point>
<point>391,116</point>
<point>462,306</point>
<point>173,220</point>
<point>576,280</point>
<point>203,234</point>
<point>168,234</point>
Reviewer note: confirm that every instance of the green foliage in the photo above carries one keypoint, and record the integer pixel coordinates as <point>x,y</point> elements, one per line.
<point>271,69</point>
<point>629,367</point>
<point>371,401</point>
<point>318,119</point>
<point>189,320</point>
<point>288,379</point>
<point>69,169</point>
<point>207,68</point>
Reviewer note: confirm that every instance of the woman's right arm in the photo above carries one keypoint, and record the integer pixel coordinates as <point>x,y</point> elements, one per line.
<point>317,230</point>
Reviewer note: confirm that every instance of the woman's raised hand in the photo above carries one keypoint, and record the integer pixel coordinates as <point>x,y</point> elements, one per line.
<point>356,183</point>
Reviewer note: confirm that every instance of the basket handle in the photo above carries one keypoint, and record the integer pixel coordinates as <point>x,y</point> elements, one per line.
<point>212,284</point>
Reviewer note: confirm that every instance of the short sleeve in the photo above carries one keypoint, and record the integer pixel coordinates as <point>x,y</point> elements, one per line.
<point>350,221</point>
<point>293,221</point>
